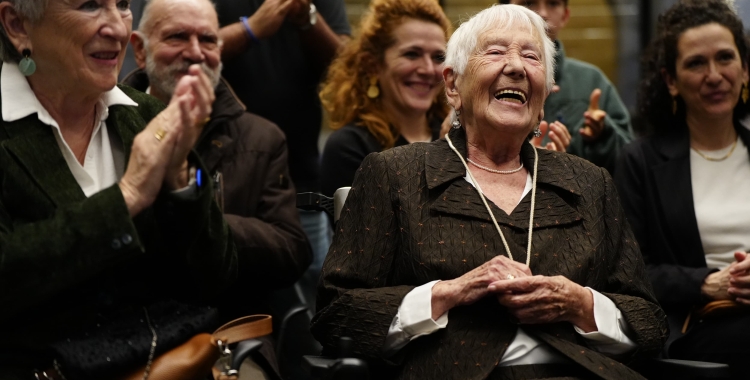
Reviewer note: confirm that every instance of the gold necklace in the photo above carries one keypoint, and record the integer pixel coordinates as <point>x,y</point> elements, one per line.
<point>717,159</point>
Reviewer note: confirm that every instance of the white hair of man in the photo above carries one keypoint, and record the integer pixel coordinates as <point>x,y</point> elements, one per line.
<point>463,42</point>
<point>30,9</point>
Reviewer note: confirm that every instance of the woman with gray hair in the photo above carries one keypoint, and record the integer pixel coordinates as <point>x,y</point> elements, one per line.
<point>480,256</point>
<point>110,240</point>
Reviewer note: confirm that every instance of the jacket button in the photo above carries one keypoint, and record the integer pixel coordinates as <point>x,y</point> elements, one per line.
<point>116,244</point>
<point>126,239</point>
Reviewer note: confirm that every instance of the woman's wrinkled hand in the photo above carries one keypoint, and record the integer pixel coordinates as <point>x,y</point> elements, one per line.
<point>473,285</point>
<point>543,299</point>
<point>159,152</point>
<point>150,155</point>
<point>739,278</point>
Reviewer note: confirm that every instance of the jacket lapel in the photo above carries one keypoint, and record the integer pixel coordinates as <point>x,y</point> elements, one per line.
<point>33,145</point>
<point>675,191</point>
<point>123,121</point>
<point>453,195</point>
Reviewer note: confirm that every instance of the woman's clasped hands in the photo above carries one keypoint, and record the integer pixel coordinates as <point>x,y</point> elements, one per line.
<point>730,283</point>
<point>159,152</point>
<point>530,299</point>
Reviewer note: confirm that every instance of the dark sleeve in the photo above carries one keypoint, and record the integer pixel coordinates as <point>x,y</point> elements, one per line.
<point>197,237</point>
<point>345,150</point>
<point>617,129</point>
<point>273,248</point>
<point>627,284</point>
<point>354,299</point>
<point>334,12</point>
<point>673,284</point>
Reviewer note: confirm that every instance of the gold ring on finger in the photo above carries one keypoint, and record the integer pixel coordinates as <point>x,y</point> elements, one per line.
<point>203,122</point>
<point>159,134</point>
<point>510,277</point>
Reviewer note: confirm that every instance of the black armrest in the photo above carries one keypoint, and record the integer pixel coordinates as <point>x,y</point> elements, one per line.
<point>321,367</point>
<point>688,369</point>
<point>315,202</point>
<point>244,349</point>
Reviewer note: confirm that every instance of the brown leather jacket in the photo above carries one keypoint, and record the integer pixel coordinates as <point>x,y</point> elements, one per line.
<point>411,218</point>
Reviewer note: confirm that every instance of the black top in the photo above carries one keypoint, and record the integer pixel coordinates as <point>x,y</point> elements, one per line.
<point>277,80</point>
<point>654,181</point>
<point>345,150</point>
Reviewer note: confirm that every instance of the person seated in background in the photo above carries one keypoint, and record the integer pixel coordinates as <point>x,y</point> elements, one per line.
<point>244,152</point>
<point>385,87</point>
<point>110,239</point>
<point>683,186</point>
<point>583,99</point>
<point>520,267</point>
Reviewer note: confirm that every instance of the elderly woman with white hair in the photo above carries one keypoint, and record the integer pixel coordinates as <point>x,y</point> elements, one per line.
<point>480,256</point>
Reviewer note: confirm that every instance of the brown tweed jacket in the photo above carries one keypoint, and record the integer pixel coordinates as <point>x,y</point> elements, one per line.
<point>411,218</point>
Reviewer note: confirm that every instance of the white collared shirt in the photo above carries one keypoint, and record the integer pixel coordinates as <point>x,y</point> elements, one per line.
<point>98,170</point>
<point>414,319</point>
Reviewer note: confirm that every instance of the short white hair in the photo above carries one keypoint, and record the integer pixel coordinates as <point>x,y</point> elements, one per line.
<point>463,42</point>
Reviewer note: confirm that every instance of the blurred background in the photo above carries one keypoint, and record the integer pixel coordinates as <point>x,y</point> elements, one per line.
<point>607,33</point>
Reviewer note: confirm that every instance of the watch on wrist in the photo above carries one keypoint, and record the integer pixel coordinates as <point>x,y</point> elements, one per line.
<point>313,18</point>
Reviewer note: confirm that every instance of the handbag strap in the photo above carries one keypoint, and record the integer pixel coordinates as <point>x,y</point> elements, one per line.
<point>243,328</point>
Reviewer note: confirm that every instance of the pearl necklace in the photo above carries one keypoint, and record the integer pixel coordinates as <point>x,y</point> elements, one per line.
<point>481,195</point>
<point>495,170</point>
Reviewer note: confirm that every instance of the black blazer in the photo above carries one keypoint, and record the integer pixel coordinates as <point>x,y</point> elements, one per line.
<point>70,263</point>
<point>653,178</point>
<point>411,218</point>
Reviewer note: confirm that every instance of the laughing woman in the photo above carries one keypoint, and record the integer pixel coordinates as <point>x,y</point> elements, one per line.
<point>519,266</point>
<point>385,87</point>
<point>108,242</point>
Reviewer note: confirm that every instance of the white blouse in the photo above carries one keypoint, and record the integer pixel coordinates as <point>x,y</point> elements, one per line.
<point>98,170</point>
<point>722,203</point>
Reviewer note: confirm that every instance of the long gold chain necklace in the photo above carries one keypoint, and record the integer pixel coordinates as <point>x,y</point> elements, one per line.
<point>484,200</point>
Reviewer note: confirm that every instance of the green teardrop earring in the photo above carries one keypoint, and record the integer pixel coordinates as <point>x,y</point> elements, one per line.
<point>27,65</point>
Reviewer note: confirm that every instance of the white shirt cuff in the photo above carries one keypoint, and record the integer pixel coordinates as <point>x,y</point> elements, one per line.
<point>611,337</point>
<point>414,319</point>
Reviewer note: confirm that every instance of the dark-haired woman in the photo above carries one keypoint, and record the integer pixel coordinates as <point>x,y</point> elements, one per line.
<point>684,185</point>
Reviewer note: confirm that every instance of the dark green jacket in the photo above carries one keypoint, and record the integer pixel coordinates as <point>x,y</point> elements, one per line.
<point>577,80</point>
<point>67,260</point>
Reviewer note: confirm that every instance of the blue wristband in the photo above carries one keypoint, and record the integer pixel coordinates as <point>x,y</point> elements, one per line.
<point>199,178</point>
<point>249,31</point>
